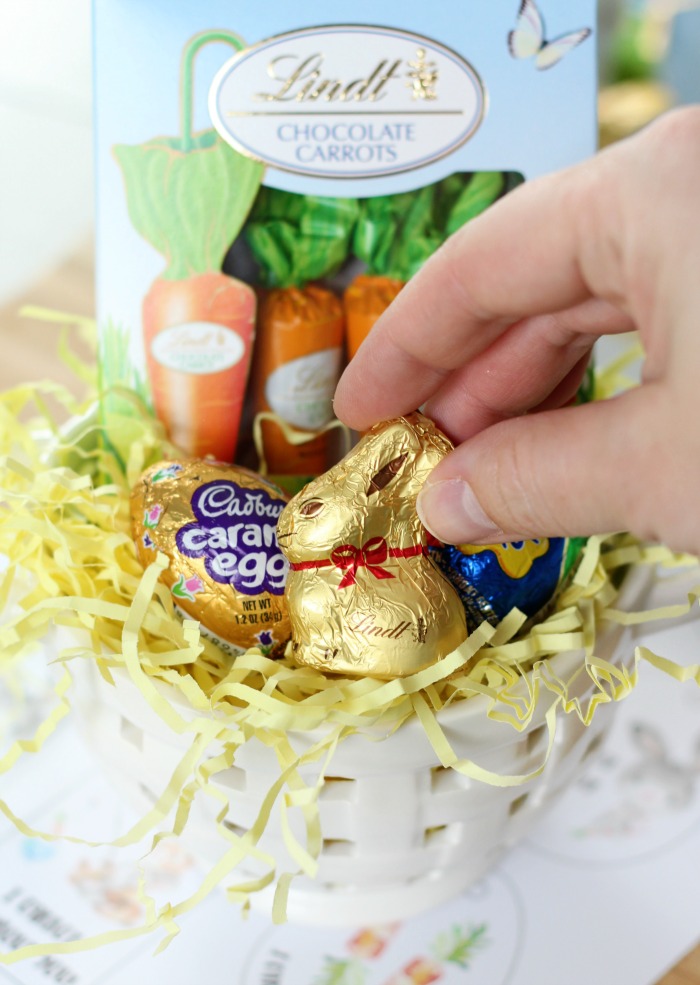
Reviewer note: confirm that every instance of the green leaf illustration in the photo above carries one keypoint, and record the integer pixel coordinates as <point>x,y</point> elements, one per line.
<point>339,971</point>
<point>159,476</point>
<point>459,944</point>
<point>123,392</point>
<point>180,591</point>
<point>117,369</point>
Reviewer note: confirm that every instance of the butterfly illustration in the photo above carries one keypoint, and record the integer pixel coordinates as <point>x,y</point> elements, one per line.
<point>528,40</point>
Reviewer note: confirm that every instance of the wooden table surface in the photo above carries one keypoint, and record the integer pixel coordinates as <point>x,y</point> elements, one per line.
<point>29,352</point>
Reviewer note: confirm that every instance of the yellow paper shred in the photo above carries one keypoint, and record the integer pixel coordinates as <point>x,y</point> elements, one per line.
<point>71,562</point>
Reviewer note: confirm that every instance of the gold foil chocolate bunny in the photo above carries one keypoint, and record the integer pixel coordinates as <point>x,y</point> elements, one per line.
<point>364,597</point>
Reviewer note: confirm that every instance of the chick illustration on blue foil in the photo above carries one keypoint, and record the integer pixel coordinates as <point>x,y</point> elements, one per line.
<point>492,580</point>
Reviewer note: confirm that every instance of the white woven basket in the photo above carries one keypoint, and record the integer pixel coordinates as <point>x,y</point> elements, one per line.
<point>401,833</point>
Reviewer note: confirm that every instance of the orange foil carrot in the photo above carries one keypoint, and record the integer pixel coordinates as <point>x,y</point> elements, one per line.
<point>198,336</point>
<point>365,300</point>
<point>298,358</point>
<point>297,240</point>
<point>396,234</point>
<point>390,238</point>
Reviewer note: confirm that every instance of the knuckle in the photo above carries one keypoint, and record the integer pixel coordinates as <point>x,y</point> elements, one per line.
<point>590,197</point>
<point>668,155</point>
<point>678,130</point>
<point>461,266</point>
<point>518,502</point>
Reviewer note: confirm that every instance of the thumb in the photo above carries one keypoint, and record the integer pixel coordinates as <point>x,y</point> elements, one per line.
<point>567,472</point>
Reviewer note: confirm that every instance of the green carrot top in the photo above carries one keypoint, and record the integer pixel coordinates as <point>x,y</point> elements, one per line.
<point>396,234</point>
<point>299,238</point>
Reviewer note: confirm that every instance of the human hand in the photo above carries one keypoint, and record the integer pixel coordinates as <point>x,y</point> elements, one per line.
<point>494,333</point>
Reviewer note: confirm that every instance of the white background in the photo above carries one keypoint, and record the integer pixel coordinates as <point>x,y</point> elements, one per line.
<point>46,201</point>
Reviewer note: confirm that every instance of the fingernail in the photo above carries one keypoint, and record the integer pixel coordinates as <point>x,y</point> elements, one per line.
<point>453,514</point>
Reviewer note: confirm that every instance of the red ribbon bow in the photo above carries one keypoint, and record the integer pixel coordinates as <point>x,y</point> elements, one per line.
<point>371,556</point>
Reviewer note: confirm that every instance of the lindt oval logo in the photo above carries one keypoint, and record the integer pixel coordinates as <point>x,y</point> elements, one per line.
<point>347,101</point>
<point>198,347</point>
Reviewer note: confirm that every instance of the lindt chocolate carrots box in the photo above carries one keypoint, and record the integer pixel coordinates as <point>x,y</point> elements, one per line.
<point>268,181</point>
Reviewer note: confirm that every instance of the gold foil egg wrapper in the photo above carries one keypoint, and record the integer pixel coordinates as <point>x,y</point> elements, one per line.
<point>217,525</point>
<point>365,598</point>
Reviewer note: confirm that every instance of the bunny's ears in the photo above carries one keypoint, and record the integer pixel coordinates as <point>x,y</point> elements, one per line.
<point>402,446</point>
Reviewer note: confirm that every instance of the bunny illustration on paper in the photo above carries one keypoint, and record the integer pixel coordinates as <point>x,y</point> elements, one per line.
<point>363,595</point>
<point>656,785</point>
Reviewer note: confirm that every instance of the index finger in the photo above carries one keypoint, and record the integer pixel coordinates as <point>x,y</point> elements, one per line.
<point>520,258</point>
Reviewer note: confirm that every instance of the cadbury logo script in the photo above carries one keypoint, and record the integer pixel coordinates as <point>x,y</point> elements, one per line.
<point>234,531</point>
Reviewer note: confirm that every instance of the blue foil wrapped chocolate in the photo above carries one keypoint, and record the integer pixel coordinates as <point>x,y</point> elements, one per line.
<point>491,581</point>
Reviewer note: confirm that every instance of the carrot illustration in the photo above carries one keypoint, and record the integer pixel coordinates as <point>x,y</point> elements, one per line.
<point>371,942</point>
<point>188,197</point>
<point>419,971</point>
<point>396,234</point>
<point>297,240</point>
<point>198,335</point>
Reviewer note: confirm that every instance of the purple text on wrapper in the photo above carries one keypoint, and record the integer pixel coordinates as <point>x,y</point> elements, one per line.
<point>235,532</point>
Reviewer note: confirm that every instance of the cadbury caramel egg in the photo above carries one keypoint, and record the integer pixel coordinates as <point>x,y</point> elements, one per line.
<point>217,525</point>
